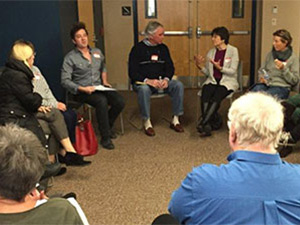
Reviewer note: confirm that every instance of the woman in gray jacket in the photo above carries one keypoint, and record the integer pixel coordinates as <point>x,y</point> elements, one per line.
<point>221,72</point>
<point>280,71</point>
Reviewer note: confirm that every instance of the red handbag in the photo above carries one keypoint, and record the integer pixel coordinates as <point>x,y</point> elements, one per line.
<point>86,140</point>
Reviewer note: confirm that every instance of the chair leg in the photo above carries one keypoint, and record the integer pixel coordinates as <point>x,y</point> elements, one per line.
<point>122,123</point>
<point>130,120</point>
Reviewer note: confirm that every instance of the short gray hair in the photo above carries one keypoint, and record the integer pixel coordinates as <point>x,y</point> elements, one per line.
<point>257,118</point>
<point>152,27</point>
<point>22,162</point>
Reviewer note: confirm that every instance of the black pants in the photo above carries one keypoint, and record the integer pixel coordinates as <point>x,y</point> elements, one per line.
<point>214,93</point>
<point>70,117</point>
<point>101,100</point>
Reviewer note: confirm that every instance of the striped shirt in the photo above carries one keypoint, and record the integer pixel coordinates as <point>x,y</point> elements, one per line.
<point>40,86</point>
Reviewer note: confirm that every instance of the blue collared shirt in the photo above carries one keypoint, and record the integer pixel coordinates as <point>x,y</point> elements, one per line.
<point>79,71</point>
<point>253,188</point>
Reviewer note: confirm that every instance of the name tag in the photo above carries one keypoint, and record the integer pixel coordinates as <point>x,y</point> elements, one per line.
<point>154,57</point>
<point>96,55</point>
<point>227,60</point>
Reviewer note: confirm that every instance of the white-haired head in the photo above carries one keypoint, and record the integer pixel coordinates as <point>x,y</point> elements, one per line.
<point>257,118</point>
<point>151,28</point>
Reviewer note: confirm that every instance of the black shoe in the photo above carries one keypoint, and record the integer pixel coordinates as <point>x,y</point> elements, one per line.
<point>62,171</point>
<point>285,151</point>
<point>51,170</point>
<point>107,144</point>
<point>206,131</point>
<point>61,159</point>
<point>113,134</point>
<point>73,159</point>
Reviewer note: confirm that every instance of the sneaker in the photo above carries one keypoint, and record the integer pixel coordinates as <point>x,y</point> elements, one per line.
<point>286,139</point>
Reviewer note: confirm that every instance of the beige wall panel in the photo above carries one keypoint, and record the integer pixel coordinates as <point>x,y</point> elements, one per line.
<point>287,17</point>
<point>118,40</point>
<point>85,14</point>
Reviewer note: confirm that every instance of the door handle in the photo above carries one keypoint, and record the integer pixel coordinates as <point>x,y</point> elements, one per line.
<point>200,32</point>
<point>188,33</point>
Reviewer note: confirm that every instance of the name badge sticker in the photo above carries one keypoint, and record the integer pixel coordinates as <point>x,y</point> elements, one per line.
<point>154,57</point>
<point>96,55</point>
<point>228,59</point>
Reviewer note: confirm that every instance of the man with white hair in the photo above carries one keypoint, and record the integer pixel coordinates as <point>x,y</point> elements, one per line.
<point>255,187</point>
<point>151,70</point>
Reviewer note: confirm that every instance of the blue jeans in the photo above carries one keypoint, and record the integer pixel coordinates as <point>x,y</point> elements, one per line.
<point>279,92</point>
<point>175,90</point>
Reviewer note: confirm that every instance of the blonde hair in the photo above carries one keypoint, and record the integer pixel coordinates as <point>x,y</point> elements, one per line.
<point>22,50</point>
<point>257,118</point>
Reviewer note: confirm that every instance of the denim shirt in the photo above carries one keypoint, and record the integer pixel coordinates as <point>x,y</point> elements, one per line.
<point>79,71</point>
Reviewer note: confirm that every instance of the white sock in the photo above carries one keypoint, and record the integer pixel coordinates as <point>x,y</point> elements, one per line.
<point>175,120</point>
<point>147,123</point>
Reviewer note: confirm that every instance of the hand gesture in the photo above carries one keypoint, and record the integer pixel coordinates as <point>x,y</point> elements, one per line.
<point>279,64</point>
<point>199,60</point>
<point>154,83</point>
<point>44,109</point>
<point>164,83</point>
<point>216,64</point>
<point>261,79</point>
<point>61,106</point>
<point>106,84</point>
<point>88,89</point>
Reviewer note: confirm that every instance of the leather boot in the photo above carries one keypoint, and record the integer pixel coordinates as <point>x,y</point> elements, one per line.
<point>205,122</point>
<point>204,107</point>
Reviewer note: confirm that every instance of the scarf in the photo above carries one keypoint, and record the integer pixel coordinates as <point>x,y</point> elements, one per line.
<point>282,55</point>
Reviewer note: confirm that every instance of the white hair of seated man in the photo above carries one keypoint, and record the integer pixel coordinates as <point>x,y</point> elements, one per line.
<point>257,118</point>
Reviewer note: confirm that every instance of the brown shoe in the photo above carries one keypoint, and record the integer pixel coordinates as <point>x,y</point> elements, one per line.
<point>150,131</point>
<point>177,127</point>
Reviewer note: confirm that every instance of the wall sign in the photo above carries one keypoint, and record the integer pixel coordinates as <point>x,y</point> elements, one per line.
<point>126,11</point>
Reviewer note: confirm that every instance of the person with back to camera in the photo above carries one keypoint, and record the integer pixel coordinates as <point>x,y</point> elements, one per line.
<point>255,186</point>
<point>280,70</point>
<point>22,162</point>
<point>83,69</point>
<point>151,70</point>
<point>220,68</point>
<point>18,102</point>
